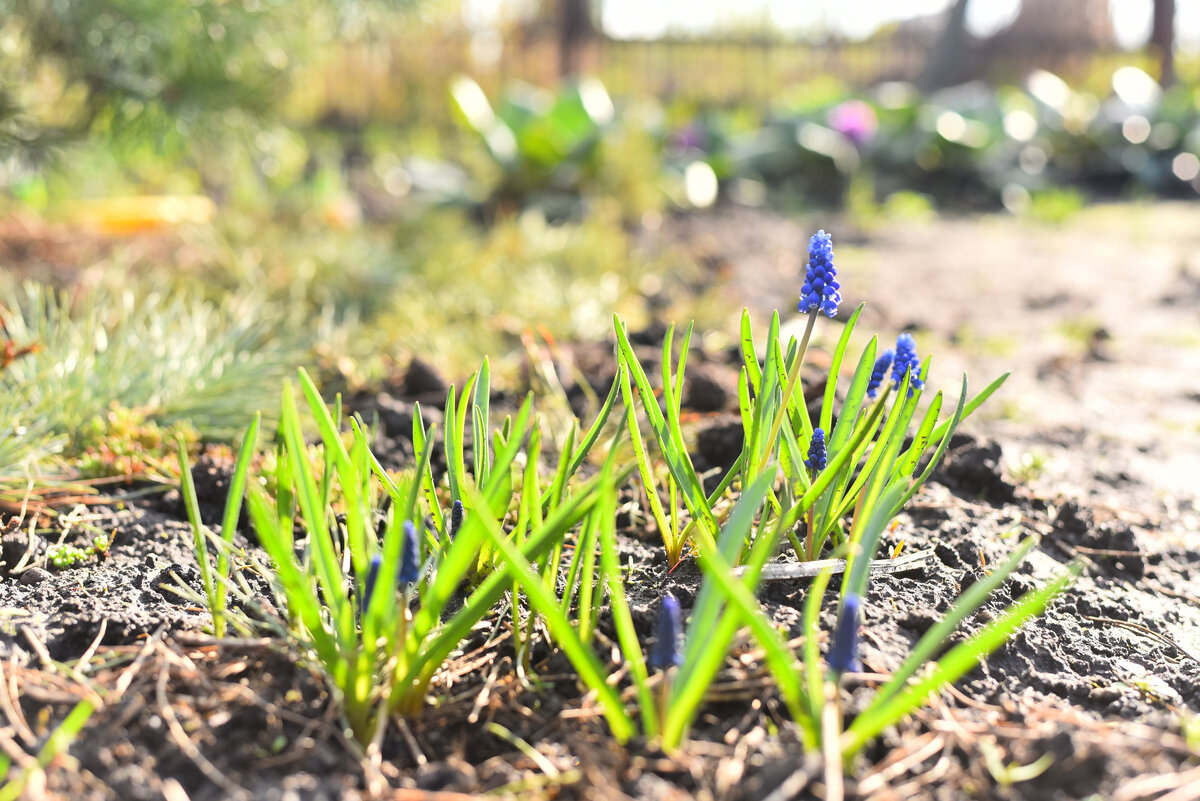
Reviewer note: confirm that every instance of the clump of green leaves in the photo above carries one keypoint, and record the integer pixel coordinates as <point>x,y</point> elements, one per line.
<point>380,653</point>
<point>859,473</point>
<point>866,447</point>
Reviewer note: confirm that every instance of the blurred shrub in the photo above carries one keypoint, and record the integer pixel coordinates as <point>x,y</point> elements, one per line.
<point>549,150</point>
<point>139,68</point>
<point>1055,205</point>
<point>170,74</point>
<point>1042,143</point>
<point>973,145</point>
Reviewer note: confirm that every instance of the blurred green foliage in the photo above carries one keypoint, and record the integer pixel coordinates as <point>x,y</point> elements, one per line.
<point>1054,205</point>
<point>1039,148</point>
<point>168,73</point>
<point>540,142</point>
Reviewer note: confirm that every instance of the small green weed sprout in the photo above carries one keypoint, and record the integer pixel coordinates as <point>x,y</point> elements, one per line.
<point>1030,466</point>
<point>216,589</point>
<point>62,557</point>
<point>123,443</point>
<point>1053,206</point>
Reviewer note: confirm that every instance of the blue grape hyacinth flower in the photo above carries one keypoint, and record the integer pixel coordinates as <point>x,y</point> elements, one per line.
<point>880,371</point>
<point>906,360</point>
<point>820,291</point>
<point>843,654</point>
<point>410,556</point>
<point>369,583</point>
<point>665,651</point>
<point>456,518</point>
<point>817,454</point>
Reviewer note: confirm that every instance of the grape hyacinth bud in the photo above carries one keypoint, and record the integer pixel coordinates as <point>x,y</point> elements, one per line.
<point>456,518</point>
<point>410,555</point>
<point>843,654</point>
<point>817,456</point>
<point>665,651</point>
<point>879,371</point>
<point>906,360</point>
<point>369,584</point>
<point>820,290</point>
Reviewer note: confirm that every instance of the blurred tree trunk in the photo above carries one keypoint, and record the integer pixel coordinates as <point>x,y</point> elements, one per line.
<point>1162,39</point>
<point>949,62</point>
<point>575,29</point>
<point>1058,35</point>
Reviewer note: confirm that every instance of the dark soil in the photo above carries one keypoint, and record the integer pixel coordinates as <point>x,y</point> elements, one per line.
<point>1093,445</point>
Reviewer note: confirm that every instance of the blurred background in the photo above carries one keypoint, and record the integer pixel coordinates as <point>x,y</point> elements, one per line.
<point>451,101</point>
<point>499,106</point>
<point>352,184</point>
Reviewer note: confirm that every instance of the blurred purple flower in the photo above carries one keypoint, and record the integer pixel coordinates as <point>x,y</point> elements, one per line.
<point>854,120</point>
<point>691,137</point>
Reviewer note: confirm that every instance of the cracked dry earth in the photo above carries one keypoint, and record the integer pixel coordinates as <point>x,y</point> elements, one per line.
<point>1094,444</point>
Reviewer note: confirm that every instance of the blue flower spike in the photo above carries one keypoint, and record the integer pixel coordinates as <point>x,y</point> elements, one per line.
<point>820,291</point>
<point>843,655</point>
<point>880,371</point>
<point>665,651</point>
<point>410,556</point>
<point>906,360</point>
<point>369,583</point>
<point>817,455</point>
<point>456,518</point>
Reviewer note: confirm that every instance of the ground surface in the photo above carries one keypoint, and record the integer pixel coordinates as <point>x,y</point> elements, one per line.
<point>1094,444</point>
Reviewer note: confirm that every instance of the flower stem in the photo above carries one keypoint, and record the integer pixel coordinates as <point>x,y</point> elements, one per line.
<point>809,539</point>
<point>831,731</point>
<point>793,380</point>
<point>664,698</point>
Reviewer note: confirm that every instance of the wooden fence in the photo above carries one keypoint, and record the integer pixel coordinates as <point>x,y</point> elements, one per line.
<point>405,79</point>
